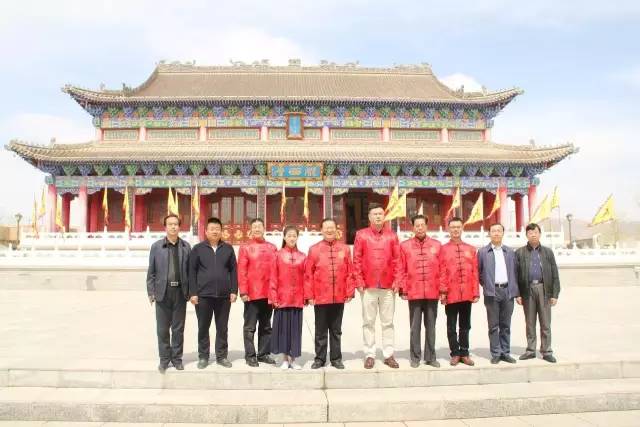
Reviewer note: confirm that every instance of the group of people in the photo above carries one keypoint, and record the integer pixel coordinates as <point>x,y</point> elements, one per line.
<point>276,283</point>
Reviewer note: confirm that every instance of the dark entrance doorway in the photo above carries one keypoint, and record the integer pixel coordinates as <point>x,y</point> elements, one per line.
<point>356,204</point>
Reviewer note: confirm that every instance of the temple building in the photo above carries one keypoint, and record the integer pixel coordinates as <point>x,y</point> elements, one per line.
<point>242,133</point>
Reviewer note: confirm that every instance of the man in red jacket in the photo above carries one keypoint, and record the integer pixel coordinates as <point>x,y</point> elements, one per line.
<point>421,285</point>
<point>328,286</point>
<point>376,252</point>
<point>459,269</point>
<point>254,269</point>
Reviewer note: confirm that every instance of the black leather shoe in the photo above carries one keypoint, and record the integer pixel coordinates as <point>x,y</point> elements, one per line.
<point>549,358</point>
<point>495,360</point>
<point>337,364</point>
<point>162,367</point>
<point>252,361</point>
<point>433,363</point>
<point>266,359</point>
<point>178,365</point>
<point>317,364</point>
<point>203,363</point>
<point>527,356</point>
<point>224,362</point>
<point>414,363</point>
<point>507,358</point>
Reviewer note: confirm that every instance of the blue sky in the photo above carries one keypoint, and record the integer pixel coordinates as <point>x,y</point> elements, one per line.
<point>578,62</point>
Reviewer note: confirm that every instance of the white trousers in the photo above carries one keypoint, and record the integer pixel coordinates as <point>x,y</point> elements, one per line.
<point>376,301</point>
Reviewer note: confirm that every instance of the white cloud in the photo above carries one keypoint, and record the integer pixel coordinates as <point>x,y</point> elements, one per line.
<point>456,80</point>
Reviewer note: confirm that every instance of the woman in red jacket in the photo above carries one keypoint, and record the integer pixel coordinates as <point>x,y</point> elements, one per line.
<point>286,294</point>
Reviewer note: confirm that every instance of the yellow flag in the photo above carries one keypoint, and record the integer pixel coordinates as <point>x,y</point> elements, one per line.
<point>283,205</point>
<point>393,200</point>
<point>43,203</point>
<point>496,204</point>
<point>305,209</point>
<point>195,203</point>
<point>543,211</point>
<point>555,199</point>
<point>172,203</point>
<point>477,212</point>
<point>105,207</point>
<point>126,210</point>
<point>456,201</point>
<point>399,210</point>
<point>59,222</point>
<point>34,219</point>
<point>606,212</point>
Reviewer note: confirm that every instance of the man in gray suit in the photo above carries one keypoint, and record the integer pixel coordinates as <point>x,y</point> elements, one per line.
<point>539,285</point>
<point>168,287</point>
<point>497,271</point>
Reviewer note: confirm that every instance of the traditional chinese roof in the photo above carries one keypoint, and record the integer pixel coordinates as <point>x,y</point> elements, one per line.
<point>186,83</point>
<point>335,152</point>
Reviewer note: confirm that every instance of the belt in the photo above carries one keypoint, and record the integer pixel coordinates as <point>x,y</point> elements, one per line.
<point>174,284</point>
<point>536,282</point>
<point>502,285</point>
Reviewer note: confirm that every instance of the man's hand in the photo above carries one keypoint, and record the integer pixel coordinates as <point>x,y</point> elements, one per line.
<point>310,302</point>
<point>194,300</point>
<point>519,300</point>
<point>152,299</point>
<point>403,296</point>
<point>553,301</point>
<point>275,304</point>
<point>475,300</point>
<point>360,289</point>
<point>233,297</point>
<point>443,299</point>
<point>244,298</point>
<point>347,300</point>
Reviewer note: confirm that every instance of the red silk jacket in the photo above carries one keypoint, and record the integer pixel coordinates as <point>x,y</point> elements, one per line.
<point>287,278</point>
<point>420,269</point>
<point>329,273</point>
<point>375,258</point>
<point>255,259</point>
<point>459,269</point>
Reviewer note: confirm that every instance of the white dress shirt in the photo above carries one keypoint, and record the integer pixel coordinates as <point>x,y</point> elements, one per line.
<point>500,275</point>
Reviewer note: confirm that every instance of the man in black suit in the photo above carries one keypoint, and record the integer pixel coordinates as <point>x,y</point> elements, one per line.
<point>168,287</point>
<point>213,286</point>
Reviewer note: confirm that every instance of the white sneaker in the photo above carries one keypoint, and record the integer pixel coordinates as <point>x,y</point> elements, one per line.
<point>285,365</point>
<point>295,366</point>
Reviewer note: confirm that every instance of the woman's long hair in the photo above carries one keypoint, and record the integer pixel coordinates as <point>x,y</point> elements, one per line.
<point>286,230</point>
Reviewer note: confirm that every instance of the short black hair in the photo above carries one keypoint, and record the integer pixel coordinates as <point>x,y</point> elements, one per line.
<point>214,220</point>
<point>496,223</point>
<point>533,226</point>
<point>417,217</point>
<point>454,219</point>
<point>327,220</point>
<point>171,215</point>
<point>254,220</point>
<point>373,206</point>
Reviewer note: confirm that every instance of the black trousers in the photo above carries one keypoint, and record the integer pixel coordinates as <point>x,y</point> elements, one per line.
<point>423,310</point>
<point>328,318</point>
<point>499,311</point>
<point>206,308</point>
<point>458,341</point>
<point>257,313</point>
<point>170,316</point>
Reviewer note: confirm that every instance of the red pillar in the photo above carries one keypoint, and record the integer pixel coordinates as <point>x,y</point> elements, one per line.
<point>94,211</point>
<point>517,198</point>
<point>204,215</point>
<point>52,201</point>
<point>82,209</point>
<point>140,214</point>
<point>66,210</point>
<point>532,200</point>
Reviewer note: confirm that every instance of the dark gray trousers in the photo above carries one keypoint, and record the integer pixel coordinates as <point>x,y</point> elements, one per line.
<point>257,313</point>
<point>537,307</point>
<point>170,316</point>
<point>499,311</point>
<point>423,310</point>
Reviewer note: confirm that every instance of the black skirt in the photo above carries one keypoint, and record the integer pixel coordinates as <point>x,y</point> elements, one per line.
<point>286,336</point>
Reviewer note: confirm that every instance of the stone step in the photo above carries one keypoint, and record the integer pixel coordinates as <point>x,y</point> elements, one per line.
<point>141,375</point>
<point>339,405</point>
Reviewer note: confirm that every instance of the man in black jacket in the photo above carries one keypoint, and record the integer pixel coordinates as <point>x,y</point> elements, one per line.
<point>168,287</point>
<point>539,284</point>
<point>213,286</point>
